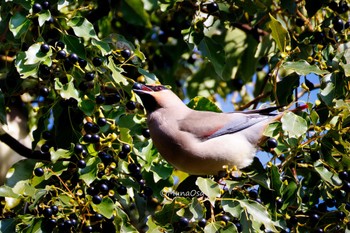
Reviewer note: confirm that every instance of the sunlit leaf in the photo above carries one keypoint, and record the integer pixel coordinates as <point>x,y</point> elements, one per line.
<point>19,24</point>
<point>82,28</point>
<point>293,124</point>
<point>279,34</point>
<point>302,67</point>
<point>209,187</point>
<point>214,52</point>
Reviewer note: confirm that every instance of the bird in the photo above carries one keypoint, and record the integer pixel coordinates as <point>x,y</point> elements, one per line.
<point>201,142</point>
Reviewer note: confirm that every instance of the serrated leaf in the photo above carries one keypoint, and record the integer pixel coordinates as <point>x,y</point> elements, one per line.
<point>6,191</point>
<point>24,70</point>
<point>326,175</point>
<point>74,45</point>
<point>67,90</point>
<point>203,104</point>
<point>302,67</point>
<point>209,187</point>
<point>279,34</point>
<point>82,28</point>
<point>294,125</point>
<point>105,208</point>
<point>102,46</point>
<point>34,56</point>
<point>116,73</point>
<point>196,209</point>
<point>43,17</point>
<point>122,222</point>
<point>258,213</point>
<point>60,154</point>
<point>19,24</point>
<point>88,174</point>
<point>214,52</point>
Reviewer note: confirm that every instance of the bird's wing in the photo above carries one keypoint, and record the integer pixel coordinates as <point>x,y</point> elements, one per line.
<point>207,125</point>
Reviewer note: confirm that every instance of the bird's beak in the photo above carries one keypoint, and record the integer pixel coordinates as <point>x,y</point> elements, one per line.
<point>141,88</point>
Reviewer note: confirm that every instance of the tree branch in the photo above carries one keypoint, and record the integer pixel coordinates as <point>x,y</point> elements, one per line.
<point>23,150</point>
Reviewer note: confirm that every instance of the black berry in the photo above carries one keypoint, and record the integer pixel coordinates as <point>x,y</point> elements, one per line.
<point>61,54</point>
<point>145,133</point>
<point>47,212</point>
<point>131,105</point>
<point>96,199</point>
<point>225,218</point>
<point>89,76</point>
<point>202,222</point>
<point>209,7</point>
<point>37,8</point>
<point>82,63</point>
<point>73,58</point>
<point>60,44</point>
<point>125,53</point>
<point>45,5</point>
<point>38,171</point>
<point>272,143</point>
<point>343,175</point>
<point>44,91</point>
<point>101,121</point>
<point>100,99</point>
<point>97,61</point>
<point>44,48</point>
<point>78,148</point>
<point>81,163</point>
<point>253,194</point>
<point>122,190</point>
<point>126,148</point>
<point>183,222</point>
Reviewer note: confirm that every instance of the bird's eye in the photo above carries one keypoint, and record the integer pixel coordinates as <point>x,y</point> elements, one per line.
<point>159,88</point>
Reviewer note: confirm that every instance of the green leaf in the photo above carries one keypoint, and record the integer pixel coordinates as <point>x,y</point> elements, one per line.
<point>88,174</point>
<point>196,209</point>
<point>122,222</point>
<point>19,24</point>
<point>213,227</point>
<point>209,187</point>
<point>285,89</point>
<point>203,104</point>
<point>22,170</point>
<point>74,45</point>
<point>302,67</point>
<point>43,17</point>
<point>60,154</point>
<point>67,90</point>
<point>102,46</point>
<point>34,56</point>
<point>6,191</point>
<point>34,226</point>
<point>134,13</point>
<point>214,52</point>
<point>24,70</point>
<point>258,213</point>
<point>279,34</point>
<point>82,28</point>
<point>327,175</point>
<point>8,225</point>
<point>105,208</point>
<point>289,194</point>
<point>294,125</point>
<point>116,72</point>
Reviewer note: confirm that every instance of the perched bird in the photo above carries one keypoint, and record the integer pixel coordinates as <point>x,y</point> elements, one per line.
<point>201,142</point>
